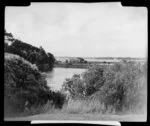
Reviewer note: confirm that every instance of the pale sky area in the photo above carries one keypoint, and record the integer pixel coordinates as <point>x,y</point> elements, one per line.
<point>81,29</point>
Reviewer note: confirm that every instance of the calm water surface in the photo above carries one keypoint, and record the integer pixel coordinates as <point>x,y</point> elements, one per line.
<point>56,78</point>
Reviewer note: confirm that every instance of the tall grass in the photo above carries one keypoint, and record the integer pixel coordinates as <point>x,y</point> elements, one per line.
<point>87,106</point>
<point>38,109</point>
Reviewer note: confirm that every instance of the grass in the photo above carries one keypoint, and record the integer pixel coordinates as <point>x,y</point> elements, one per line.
<point>82,116</point>
<point>94,106</point>
<point>46,108</point>
<point>77,110</point>
<point>38,109</point>
<point>84,106</point>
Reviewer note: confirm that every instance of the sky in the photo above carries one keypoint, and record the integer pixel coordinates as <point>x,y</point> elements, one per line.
<point>81,29</point>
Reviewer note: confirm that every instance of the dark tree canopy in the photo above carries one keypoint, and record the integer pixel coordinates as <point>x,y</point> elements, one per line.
<point>38,56</point>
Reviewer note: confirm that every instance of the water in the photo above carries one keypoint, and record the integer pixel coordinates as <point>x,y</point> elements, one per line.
<point>102,60</point>
<point>56,78</point>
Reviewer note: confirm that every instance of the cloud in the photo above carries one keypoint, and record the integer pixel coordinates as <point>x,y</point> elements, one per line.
<point>71,29</point>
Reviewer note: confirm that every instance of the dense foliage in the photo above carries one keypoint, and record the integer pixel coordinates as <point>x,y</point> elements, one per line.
<point>38,56</point>
<point>122,85</point>
<point>24,83</point>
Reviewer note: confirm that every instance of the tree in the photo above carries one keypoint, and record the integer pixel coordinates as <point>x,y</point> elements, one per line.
<point>24,82</point>
<point>38,56</point>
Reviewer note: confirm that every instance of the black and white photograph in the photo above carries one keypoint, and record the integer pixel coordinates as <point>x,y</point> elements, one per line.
<point>75,61</point>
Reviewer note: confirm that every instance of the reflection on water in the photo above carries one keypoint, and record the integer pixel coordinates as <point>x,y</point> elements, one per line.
<point>56,78</point>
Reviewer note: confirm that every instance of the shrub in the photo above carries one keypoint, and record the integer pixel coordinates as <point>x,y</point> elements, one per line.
<point>58,99</point>
<point>75,86</point>
<point>121,86</point>
<point>23,82</point>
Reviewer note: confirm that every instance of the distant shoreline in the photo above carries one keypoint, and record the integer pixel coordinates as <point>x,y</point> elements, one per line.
<point>81,66</point>
<point>71,66</point>
<point>134,58</point>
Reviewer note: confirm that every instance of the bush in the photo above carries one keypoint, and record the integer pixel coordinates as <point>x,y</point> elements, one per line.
<point>122,85</point>
<point>23,82</point>
<point>58,99</point>
<point>75,86</point>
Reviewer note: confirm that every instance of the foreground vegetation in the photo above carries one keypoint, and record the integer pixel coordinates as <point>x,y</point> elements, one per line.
<point>26,90</point>
<point>118,88</point>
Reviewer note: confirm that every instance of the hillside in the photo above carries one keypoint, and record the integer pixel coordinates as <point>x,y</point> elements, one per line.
<point>38,56</point>
<point>21,80</point>
<point>25,88</point>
